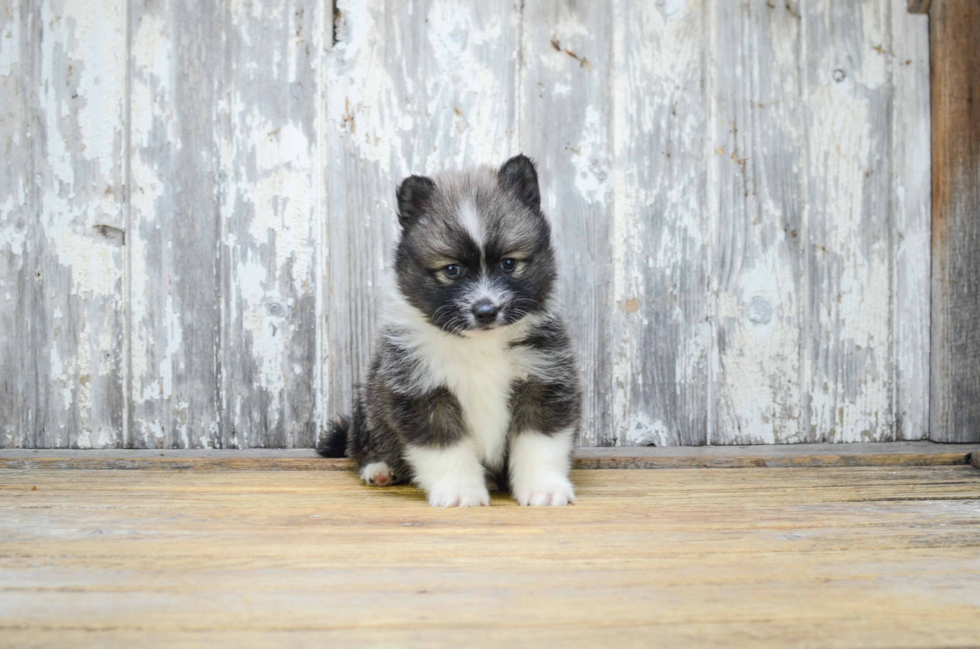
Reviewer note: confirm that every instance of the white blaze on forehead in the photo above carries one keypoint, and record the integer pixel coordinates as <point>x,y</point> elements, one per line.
<point>470,221</point>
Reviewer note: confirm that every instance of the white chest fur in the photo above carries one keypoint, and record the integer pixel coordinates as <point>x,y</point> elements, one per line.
<point>479,371</point>
<point>478,368</point>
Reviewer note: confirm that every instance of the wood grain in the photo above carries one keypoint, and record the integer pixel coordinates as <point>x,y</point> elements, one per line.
<point>661,243</point>
<point>919,6</point>
<point>848,360</point>
<point>224,265</point>
<point>857,557</point>
<point>758,172</point>
<point>911,192</point>
<point>955,402</point>
<point>270,222</point>
<point>175,230</point>
<point>198,212</point>
<point>62,209</point>
<point>670,457</point>
<point>18,228</point>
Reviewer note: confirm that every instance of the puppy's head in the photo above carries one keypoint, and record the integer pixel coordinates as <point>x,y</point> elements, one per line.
<point>475,250</point>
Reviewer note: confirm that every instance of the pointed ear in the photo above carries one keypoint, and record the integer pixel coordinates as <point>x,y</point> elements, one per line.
<point>519,177</point>
<point>414,197</point>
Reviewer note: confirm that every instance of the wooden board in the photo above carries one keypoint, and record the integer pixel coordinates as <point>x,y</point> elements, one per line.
<point>758,172</point>
<point>955,403</point>
<point>270,222</point>
<point>175,229</point>
<point>671,457</point>
<point>661,243</point>
<point>62,223</point>
<point>858,557</point>
<point>225,173</point>
<point>18,228</point>
<point>911,195</point>
<point>847,361</point>
<point>196,223</point>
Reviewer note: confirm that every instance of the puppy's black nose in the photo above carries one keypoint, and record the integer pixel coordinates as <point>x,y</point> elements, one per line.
<point>485,313</point>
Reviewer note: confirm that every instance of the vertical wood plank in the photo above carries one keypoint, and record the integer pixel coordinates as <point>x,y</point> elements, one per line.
<point>411,87</point>
<point>758,181</point>
<point>661,335</point>
<point>565,116</point>
<point>955,392</point>
<point>174,265</point>
<point>18,207</point>
<point>63,222</point>
<point>270,174</point>
<point>848,360</point>
<point>912,208</point>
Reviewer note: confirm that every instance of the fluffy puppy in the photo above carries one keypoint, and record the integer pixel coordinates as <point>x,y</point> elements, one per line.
<point>474,376</point>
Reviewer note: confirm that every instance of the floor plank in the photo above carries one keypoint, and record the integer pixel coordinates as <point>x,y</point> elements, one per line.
<point>830,557</point>
<point>669,457</point>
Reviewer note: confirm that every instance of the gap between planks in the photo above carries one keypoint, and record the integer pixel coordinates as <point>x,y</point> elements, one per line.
<point>678,457</point>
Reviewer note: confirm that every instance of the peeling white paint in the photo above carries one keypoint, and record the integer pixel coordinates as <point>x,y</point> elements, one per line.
<point>774,299</point>
<point>10,38</point>
<point>592,174</point>
<point>280,195</point>
<point>98,91</point>
<point>643,431</point>
<point>13,236</point>
<point>854,315</point>
<point>659,222</point>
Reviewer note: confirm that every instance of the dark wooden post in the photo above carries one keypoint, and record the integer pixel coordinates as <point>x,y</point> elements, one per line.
<point>955,376</point>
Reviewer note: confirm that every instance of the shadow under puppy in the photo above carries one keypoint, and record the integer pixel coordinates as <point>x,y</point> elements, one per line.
<point>474,376</point>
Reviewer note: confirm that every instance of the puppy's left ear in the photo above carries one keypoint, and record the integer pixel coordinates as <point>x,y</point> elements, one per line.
<point>518,176</point>
<point>414,197</point>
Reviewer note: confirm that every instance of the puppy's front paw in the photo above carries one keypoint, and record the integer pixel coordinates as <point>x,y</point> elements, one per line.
<point>377,474</point>
<point>547,491</point>
<point>459,495</point>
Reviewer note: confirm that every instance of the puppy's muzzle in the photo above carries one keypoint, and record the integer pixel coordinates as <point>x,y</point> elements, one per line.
<point>485,312</point>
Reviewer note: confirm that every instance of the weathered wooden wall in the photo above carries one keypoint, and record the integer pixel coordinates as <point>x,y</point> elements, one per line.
<point>196,206</point>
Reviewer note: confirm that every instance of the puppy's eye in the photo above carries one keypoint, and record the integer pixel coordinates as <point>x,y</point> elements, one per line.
<point>508,265</point>
<point>452,271</point>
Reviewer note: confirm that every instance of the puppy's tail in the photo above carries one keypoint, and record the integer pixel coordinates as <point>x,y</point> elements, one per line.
<point>334,443</point>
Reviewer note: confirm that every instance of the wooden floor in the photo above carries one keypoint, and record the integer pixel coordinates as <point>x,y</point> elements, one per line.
<point>803,557</point>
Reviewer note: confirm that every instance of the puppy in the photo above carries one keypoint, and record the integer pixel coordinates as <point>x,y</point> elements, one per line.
<point>474,376</point>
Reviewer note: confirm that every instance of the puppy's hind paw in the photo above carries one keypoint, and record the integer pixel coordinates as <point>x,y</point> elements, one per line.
<point>377,474</point>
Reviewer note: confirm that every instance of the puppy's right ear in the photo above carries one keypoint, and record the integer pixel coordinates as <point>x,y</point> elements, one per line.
<point>414,198</point>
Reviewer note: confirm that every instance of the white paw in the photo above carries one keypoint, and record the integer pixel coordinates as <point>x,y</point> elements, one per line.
<point>377,474</point>
<point>459,495</point>
<point>548,491</point>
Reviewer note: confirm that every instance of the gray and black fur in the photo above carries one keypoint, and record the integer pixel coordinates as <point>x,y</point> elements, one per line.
<point>474,266</point>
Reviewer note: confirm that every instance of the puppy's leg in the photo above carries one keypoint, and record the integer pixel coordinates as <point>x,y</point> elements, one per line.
<point>451,476</point>
<point>443,459</point>
<point>539,465</point>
